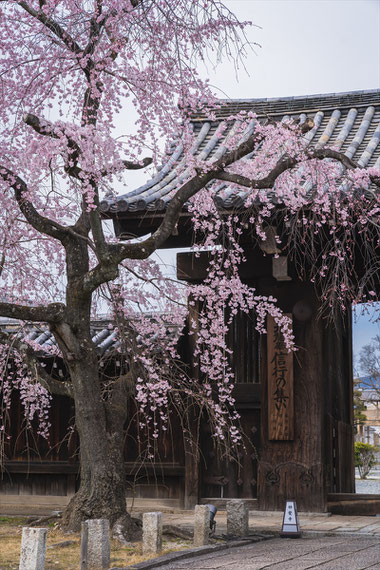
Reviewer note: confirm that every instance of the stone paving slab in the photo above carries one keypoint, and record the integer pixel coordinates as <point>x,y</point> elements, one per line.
<point>176,557</point>
<point>329,553</point>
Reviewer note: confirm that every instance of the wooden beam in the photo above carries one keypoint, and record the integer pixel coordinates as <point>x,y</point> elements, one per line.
<point>194,268</point>
<point>138,226</point>
<point>60,467</point>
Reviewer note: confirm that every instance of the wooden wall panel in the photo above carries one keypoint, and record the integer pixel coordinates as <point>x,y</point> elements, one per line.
<point>294,469</point>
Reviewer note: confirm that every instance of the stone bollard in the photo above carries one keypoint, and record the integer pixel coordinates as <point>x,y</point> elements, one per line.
<point>152,533</point>
<point>237,517</point>
<point>33,549</point>
<point>95,548</point>
<point>201,525</point>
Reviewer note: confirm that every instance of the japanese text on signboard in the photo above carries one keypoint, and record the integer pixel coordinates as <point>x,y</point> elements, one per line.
<point>280,385</point>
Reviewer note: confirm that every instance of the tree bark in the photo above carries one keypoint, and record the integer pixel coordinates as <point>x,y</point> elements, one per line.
<point>99,419</point>
<point>102,473</point>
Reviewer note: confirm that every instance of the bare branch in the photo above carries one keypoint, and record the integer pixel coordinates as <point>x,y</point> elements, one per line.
<point>96,24</point>
<point>152,280</point>
<point>137,165</point>
<point>41,127</point>
<point>2,259</point>
<point>38,222</point>
<point>54,27</point>
<point>129,165</point>
<point>288,163</point>
<point>322,153</point>
<point>105,271</point>
<point>56,387</point>
<point>52,313</point>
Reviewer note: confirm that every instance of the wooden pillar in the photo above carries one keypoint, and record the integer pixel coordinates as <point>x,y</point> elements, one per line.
<point>338,395</point>
<point>191,490</point>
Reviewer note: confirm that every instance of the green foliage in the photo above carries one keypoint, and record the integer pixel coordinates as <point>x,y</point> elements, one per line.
<point>365,458</point>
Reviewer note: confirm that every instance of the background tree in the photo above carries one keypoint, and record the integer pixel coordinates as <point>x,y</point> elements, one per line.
<point>359,407</point>
<point>67,71</point>
<point>365,458</point>
<point>369,360</point>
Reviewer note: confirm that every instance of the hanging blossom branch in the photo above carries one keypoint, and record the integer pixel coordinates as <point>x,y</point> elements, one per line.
<point>33,363</point>
<point>142,250</point>
<point>159,381</point>
<point>21,370</point>
<point>216,302</point>
<point>34,397</point>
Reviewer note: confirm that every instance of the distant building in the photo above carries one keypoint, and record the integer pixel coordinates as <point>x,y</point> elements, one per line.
<point>369,431</point>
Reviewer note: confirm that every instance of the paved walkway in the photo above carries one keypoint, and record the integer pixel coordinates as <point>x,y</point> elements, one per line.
<point>271,522</point>
<point>325,553</point>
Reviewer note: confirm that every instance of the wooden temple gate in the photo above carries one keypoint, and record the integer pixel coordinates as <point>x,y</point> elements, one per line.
<point>305,450</point>
<point>296,410</point>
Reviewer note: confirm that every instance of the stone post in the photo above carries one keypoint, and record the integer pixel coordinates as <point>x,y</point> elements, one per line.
<point>152,533</point>
<point>95,550</point>
<point>201,525</point>
<point>33,548</point>
<point>237,517</point>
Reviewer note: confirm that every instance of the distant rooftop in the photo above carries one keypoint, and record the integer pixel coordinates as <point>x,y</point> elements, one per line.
<point>104,335</point>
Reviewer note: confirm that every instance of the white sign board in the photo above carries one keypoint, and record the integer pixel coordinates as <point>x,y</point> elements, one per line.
<point>290,521</point>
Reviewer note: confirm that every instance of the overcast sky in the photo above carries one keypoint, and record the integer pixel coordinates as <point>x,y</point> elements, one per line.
<point>307,47</point>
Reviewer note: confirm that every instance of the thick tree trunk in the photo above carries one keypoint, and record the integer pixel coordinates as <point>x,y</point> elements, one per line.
<point>99,420</point>
<point>100,425</point>
<point>102,474</point>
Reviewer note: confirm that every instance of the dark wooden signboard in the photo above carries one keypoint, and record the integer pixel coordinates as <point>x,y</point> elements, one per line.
<point>280,385</point>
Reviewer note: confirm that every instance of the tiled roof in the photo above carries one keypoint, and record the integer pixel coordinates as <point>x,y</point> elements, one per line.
<point>370,395</point>
<point>104,336</point>
<point>348,121</point>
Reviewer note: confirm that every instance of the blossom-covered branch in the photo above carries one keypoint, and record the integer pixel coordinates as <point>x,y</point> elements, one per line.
<point>34,365</point>
<point>46,128</point>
